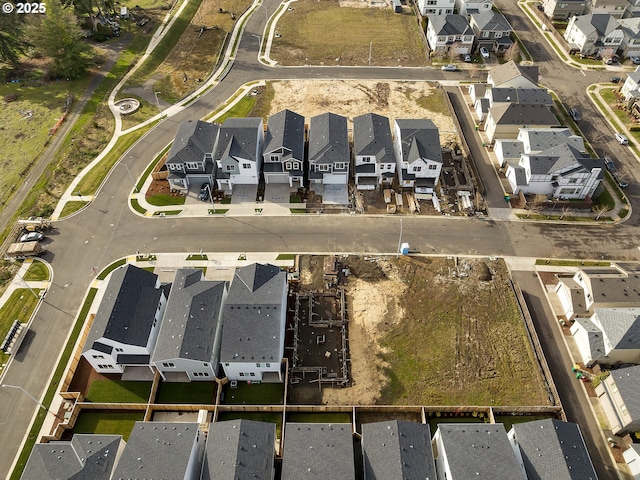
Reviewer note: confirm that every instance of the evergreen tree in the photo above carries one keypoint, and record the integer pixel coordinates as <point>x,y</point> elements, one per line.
<point>12,40</point>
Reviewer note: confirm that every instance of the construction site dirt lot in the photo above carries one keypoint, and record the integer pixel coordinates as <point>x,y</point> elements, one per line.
<point>432,331</point>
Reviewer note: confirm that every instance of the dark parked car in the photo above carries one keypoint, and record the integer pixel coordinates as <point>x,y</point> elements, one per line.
<point>609,164</point>
<point>621,183</point>
<point>205,192</point>
<point>615,79</point>
<point>575,114</point>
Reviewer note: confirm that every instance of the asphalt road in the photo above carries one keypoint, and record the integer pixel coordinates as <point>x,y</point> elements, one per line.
<point>107,229</point>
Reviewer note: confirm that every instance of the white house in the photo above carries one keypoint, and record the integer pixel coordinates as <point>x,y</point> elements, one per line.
<point>512,75</point>
<point>615,8</point>
<point>618,395</point>
<point>532,141</point>
<point>283,154</point>
<point>254,318</point>
<point>560,171</point>
<point>188,343</point>
<point>418,153</point>
<point>435,7</point>
<point>238,152</point>
<point>632,457</point>
<point>329,157</point>
<point>125,328</point>
<point>469,7</point>
<point>475,450</point>
<point>375,161</point>
<point>190,159</point>
<point>594,34</point>
<point>630,46</point>
<point>450,34</point>
<point>631,88</point>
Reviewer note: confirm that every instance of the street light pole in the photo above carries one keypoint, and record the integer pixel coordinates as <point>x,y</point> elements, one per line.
<point>135,188</point>
<point>157,101</point>
<point>399,240</point>
<point>27,394</point>
<point>213,205</point>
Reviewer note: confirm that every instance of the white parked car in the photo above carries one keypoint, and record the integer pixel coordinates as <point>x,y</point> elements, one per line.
<point>31,237</point>
<point>622,139</point>
<point>449,68</point>
<point>484,52</point>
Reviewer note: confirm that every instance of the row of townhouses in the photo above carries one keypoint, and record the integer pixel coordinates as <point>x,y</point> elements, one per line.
<point>193,329</point>
<point>240,149</point>
<point>565,9</point>
<point>537,155</point>
<point>603,35</point>
<point>390,450</point>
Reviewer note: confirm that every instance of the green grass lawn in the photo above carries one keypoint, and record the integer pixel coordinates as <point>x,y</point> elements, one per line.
<point>320,32</point>
<point>255,394</point>
<point>202,393</point>
<point>37,271</point>
<point>108,391</point>
<point>71,208</point>
<point>162,200</point>
<point>19,307</point>
<point>110,268</point>
<point>255,416</point>
<point>240,110</point>
<point>108,423</point>
<point>333,417</point>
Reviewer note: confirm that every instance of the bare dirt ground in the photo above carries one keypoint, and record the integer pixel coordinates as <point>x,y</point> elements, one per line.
<point>435,332</point>
<point>352,98</point>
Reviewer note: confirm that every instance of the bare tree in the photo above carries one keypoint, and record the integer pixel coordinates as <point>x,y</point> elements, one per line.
<point>512,53</point>
<point>565,210</point>
<point>452,51</point>
<point>536,204</point>
<point>600,210</point>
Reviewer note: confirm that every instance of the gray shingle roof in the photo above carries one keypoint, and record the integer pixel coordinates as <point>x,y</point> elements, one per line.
<point>397,450</point>
<point>190,319</point>
<point>553,449</point>
<point>628,382</point>
<point>85,457</point>
<point>540,139</point>
<point>506,72</point>
<point>557,158</point>
<point>521,95</point>
<point>523,114</point>
<point>158,450</point>
<point>600,23</point>
<point>238,138</point>
<point>491,21</point>
<point>253,314</point>
<point>285,130</point>
<point>477,450</point>
<point>328,139</point>
<point>318,450</point>
<point>511,149</point>
<point>420,139</point>
<point>127,309</point>
<point>595,337</point>
<point>372,136</point>
<point>620,325</point>
<point>193,139</point>
<point>239,449</point>
<point>451,24</point>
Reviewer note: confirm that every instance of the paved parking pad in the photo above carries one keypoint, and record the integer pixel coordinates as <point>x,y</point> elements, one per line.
<point>277,192</point>
<point>335,194</point>
<point>243,194</point>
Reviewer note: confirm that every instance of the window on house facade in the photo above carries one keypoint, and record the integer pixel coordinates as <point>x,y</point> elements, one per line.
<point>103,366</point>
<point>468,39</point>
<point>226,364</point>
<point>497,34</point>
<point>485,34</point>
<point>288,166</point>
<point>252,374</point>
<point>119,350</point>
<point>246,165</point>
<point>231,168</point>
<point>433,167</point>
<point>98,356</point>
<point>340,165</point>
<point>206,365</point>
<point>322,167</point>
<point>417,168</point>
<point>440,39</point>
<point>172,166</point>
<point>366,159</point>
<point>448,10</point>
<point>268,365</point>
<point>432,2</point>
<point>192,165</point>
<point>274,158</point>
<point>241,374</point>
<point>168,365</point>
<point>458,38</point>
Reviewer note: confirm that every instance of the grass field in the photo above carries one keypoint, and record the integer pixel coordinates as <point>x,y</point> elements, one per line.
<point>322,33</point>
<point>36,272</point>
<point>108,391</point>
<point>108,423</point>
<point>462,340</point>
<point>256,394</point>
<point>202,393</point>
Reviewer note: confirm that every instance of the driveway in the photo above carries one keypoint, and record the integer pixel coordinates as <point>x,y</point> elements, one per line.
<point>244,194</point>
<point>335,194</point>
<point>277,192</point>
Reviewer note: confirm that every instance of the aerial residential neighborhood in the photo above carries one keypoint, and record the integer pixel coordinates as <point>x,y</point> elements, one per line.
<point>320,239</point>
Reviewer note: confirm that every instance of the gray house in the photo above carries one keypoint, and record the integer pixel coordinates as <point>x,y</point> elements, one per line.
<point>238,152</point>
<point>418,153</point>
<point>563,10</point>
<point>329,156</point>
<point>254,318</point>
<point>239,449</point>
<point>190,159</point>
<point>475,450</point>
<point>619,396</point>
<point>552,449</point>
<point>188,342</point>
<point>283,154</point>
<point>397,450</point>
<point>375,161</point>
<point>492,30</point>
<point>318,450</point>
<point>125,329</point>
<point>162,450</point>
<point>90,457</point>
